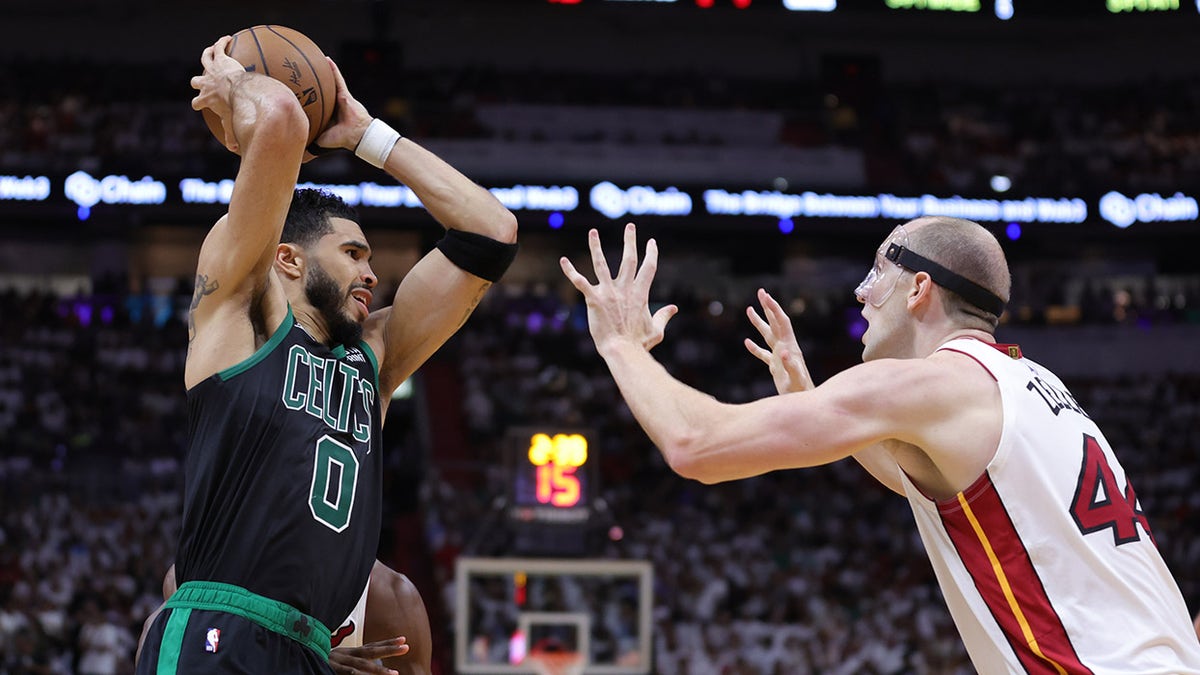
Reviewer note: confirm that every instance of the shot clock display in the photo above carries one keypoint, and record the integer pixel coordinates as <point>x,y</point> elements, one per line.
<point>551,475</point>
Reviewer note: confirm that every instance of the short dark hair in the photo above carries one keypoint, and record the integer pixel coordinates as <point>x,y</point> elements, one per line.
<point>308,216</point>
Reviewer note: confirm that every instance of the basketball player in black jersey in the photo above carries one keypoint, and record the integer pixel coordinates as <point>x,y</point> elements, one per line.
<point>393,625</point>
<point>289,374</point>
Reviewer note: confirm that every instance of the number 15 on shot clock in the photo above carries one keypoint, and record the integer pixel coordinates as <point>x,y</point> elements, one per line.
<point>550,468</point>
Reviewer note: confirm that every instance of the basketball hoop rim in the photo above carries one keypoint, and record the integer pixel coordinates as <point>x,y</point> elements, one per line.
<point>556,663</point>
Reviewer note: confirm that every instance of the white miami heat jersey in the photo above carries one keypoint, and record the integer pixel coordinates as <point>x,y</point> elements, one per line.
<point>350,633</point>
<point>1047,562</point>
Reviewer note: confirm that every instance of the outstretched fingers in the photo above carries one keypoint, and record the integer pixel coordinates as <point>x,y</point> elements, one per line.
<point>769,328</point>
<point>644,277</point>
<point>760,324</point>
<point>758,352</point>
<point>645,274</point>
<point>577,280</point>
<point>629,256</point>
<point>599,262</point>
<point>780,323</point>
<point>662,317</point>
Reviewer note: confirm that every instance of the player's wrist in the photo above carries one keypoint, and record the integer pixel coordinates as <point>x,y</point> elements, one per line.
<point>232,82</point>
<point>376,143</point>
<point>615,346</point>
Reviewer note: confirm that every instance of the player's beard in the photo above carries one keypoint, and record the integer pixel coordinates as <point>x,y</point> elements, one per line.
<point>329,300</point>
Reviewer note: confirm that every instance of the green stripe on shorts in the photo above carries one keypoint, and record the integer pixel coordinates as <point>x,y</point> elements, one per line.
<point>172,641</point>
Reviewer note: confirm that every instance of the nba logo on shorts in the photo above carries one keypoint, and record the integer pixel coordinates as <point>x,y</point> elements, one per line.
<point>212,640</point>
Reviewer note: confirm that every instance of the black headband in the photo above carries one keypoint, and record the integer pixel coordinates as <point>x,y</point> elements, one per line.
<point>970,291</point>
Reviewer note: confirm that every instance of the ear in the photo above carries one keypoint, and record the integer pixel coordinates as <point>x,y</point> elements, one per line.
<point>289,260</point>
<point>921,293</point>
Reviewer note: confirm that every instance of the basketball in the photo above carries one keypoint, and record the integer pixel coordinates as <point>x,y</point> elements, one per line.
<point>292,58</point>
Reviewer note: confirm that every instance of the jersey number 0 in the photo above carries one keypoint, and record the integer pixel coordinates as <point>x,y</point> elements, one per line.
<point>335,476</point>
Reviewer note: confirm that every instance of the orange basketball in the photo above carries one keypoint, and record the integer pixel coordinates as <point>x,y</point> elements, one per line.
<point>292,58</point>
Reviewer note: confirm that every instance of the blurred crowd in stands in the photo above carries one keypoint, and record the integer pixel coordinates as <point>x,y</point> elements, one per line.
<point>948,138</point>
<point>92,416</point>
<point>795,572</point>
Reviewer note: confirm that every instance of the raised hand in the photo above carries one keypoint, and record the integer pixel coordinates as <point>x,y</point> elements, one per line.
<point>364,660</point>
<point>782,353</point>
<point>350,118</point>
<point>619,307</point>
<point>215,85</point>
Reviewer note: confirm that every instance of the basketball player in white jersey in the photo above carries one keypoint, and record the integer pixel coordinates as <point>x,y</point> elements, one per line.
<point>365,642</point>
<point>1034,531</point>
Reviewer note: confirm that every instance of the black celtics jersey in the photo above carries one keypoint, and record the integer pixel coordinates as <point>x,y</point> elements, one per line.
<point>282,484</point>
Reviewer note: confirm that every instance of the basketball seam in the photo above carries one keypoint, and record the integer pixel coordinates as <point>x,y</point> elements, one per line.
<point>262,58</point>
<point>311,68</point>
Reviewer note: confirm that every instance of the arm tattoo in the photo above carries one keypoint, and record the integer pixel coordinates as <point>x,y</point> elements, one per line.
<point>203,287</point>
<point>474,303</point>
